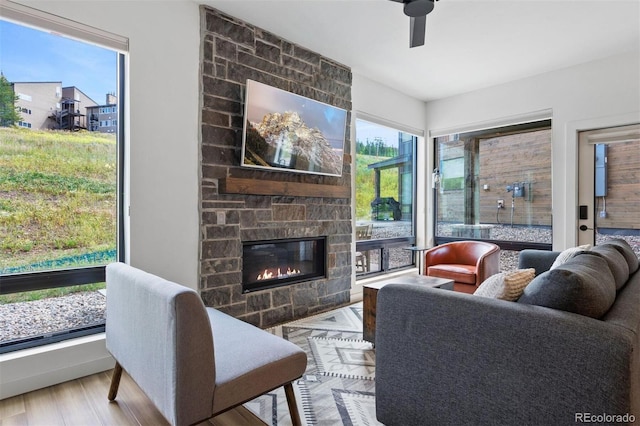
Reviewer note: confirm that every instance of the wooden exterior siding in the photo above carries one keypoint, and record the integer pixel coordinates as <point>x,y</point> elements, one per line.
<point>623,187</point>
<point>505,160</point>
<point>526,157</point>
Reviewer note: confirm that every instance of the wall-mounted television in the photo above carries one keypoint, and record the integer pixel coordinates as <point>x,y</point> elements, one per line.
<point>288,132</point>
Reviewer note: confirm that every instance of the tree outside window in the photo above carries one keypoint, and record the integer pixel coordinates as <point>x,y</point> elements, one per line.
<point>9,115</point>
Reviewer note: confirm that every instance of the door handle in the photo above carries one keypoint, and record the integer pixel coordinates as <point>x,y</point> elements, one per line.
<point>585,228</point>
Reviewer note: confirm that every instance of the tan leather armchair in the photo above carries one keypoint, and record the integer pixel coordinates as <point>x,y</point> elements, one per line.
<point>467,263</point>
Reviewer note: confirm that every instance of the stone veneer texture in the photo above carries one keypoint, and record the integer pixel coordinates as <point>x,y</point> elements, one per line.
<point>232,52</point>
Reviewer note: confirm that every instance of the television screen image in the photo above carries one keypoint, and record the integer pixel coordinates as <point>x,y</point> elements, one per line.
<point>288,132</point>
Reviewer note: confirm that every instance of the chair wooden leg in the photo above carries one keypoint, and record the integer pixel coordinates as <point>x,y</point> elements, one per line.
<point>115,381</point>
<point>291,402</point>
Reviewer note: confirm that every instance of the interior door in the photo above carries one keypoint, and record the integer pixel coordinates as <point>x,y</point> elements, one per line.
<point>609,184</point>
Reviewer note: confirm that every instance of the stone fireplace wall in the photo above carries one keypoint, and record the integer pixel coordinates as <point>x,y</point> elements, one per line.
<point>263,207</point>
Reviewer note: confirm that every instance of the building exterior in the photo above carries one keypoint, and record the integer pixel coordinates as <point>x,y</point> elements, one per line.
<point>48,106</point>
<point>104,118</point>
<point>71,114</point>
<point>37,101</point>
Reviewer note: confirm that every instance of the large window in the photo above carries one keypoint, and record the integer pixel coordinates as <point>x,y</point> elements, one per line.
<point>385,192</point>
<point>61,186</point>
<point>495,185</point>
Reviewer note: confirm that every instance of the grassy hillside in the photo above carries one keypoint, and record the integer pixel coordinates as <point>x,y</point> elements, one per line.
<point>365,189</point>
<point>57,195</point>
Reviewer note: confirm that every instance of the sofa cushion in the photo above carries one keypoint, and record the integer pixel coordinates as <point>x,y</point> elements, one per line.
<point>506,285</point>
<point>617,263</point>
<point>584,285</point>
<point>567,254</point>
<point>625,249</point>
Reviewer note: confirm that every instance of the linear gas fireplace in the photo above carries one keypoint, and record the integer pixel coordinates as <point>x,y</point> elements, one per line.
<point>274,263</point>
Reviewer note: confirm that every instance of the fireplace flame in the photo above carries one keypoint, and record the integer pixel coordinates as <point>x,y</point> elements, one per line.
<point>269,274</point>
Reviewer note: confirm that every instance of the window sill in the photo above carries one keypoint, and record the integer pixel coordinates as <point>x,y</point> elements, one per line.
<point>35,368</point>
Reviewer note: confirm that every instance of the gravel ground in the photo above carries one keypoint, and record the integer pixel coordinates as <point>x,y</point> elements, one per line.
<point>26,319</point>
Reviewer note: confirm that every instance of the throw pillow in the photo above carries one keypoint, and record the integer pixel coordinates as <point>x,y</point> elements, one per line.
<point>567,254</point>
<point>583,286</point>
<point>617,263</point>
<point>506,285</point>
<point>625,249</point>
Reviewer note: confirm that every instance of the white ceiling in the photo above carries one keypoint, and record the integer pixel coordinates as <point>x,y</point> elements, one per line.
<point>469,44</point>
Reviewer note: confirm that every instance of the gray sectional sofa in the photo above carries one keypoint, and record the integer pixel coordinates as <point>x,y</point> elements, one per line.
<point>567,352</point>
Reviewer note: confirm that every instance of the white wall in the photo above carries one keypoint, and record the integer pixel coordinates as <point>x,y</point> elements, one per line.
<point>378,100</point>
<point>163,143</point>
<point>592,95</point>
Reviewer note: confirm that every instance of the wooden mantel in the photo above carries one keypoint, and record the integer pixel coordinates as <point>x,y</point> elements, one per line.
<point>232,185</point>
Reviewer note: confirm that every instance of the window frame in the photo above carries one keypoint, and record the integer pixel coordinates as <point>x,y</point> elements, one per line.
<point>383,245</point>
<point>40,280</point>
<point>484,133</point>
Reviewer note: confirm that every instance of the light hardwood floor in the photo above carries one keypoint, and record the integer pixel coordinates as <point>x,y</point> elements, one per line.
<point>84,402</point>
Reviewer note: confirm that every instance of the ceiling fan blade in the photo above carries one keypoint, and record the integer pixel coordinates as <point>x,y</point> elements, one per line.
<point>417,30</point>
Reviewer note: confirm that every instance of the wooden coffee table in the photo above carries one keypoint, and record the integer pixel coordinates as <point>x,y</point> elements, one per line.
<point>370,295</point>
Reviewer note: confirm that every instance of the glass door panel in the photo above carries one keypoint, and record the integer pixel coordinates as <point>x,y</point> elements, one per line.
<point>609,185</point>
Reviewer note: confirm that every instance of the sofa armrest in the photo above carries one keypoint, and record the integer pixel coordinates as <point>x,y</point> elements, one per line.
<point>451,358</point>
<point>540,260</point>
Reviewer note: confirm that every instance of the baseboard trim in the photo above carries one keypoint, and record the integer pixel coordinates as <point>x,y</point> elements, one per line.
<point>37,368</point>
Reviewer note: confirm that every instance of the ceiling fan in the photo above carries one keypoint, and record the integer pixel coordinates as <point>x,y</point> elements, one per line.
<point>417,10</point>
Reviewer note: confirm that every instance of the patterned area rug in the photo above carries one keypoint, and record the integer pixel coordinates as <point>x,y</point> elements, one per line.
<point>338,386</point>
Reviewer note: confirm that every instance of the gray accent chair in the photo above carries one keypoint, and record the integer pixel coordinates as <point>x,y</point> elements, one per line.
<point>191,361</point>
